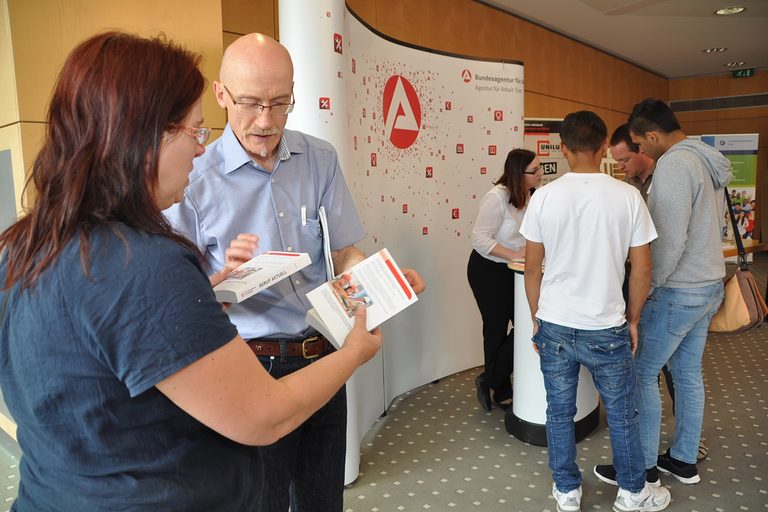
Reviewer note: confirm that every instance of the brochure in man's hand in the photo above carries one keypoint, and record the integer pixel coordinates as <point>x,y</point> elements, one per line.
<point>376,282</point>
<point>258,273</point>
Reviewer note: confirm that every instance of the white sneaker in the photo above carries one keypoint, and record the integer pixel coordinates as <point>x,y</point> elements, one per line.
<point>567,501</point>
<point>649,499</point>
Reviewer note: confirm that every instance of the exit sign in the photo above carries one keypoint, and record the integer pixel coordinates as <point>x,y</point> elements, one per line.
<point>743,73</point>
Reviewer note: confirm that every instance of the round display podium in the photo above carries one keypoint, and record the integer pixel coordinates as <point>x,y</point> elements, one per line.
<point>526,419</point>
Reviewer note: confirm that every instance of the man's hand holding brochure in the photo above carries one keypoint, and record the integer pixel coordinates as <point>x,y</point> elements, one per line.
<point>376,283</point>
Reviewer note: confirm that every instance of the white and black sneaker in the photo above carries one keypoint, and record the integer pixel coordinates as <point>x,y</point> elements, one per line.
<point>686,473</point>
<point>607,473</point>
<point>649,499</point>
<point>567,501</point>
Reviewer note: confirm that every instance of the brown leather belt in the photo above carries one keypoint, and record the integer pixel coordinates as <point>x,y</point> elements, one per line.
<point>309,348</point>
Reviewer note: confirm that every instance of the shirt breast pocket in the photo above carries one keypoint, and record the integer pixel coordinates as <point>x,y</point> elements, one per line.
<point>311,237</point>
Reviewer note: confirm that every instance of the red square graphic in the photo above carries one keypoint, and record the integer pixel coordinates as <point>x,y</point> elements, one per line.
<point>491,150</point>
<point>470,119</point>
<point>447,105</point>
<point>483,170</point>
<point>454,213</point>
<point>425,230</point>
<point>459,148</point>
<point>498,115</point>
<point>325,103</point>
<point>373,159</point>
<point>338,43</point>
<point>405,208</point>
<point>429,172</point>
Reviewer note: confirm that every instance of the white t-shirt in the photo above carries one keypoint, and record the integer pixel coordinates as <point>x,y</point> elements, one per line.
<point>587,223</point>
<point>497,222</point>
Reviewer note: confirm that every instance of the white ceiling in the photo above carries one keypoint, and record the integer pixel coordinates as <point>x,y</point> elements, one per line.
<point>663,36</point>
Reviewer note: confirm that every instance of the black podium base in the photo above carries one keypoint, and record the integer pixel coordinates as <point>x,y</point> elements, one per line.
<point>536,433</point>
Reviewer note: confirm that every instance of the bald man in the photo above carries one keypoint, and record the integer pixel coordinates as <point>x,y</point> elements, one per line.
<point>260,179</point>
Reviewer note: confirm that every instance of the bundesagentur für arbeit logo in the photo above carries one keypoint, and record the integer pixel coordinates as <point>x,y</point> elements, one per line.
<point>402,112</point>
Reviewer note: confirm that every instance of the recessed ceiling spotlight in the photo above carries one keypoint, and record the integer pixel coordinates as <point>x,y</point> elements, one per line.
<point>735,64</point>
<point>714,50</point>
<point>727,11</point>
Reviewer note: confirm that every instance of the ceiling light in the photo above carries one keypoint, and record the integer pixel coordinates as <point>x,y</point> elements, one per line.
<point>714,50</point>
<point>727,11</point>
<point>735,64</point>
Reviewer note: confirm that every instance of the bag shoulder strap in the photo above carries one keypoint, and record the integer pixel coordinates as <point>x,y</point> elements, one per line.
<point>742,260</point>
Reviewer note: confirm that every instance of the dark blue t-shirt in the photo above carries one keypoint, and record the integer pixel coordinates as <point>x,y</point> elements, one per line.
<point>79,359</point>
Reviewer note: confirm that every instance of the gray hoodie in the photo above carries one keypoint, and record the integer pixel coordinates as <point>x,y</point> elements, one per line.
<point>687,205</point>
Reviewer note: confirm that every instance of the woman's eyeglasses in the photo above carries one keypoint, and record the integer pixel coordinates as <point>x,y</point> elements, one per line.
<point>533,170</point>
<point>201,135</point>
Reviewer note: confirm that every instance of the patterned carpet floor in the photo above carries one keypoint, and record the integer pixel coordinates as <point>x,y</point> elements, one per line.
<point>436,449</point>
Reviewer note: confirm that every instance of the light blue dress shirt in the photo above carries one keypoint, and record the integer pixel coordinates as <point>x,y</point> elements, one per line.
<point>229,194</point>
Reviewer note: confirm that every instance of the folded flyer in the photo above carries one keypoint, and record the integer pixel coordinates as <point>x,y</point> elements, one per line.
<point>376,282</point>
<point>259,273</point>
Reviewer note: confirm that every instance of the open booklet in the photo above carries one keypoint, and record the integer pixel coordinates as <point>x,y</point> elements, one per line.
<point>376,282</point>
<point>258,273</point>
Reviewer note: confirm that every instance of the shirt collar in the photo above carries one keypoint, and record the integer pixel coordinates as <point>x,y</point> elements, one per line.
<point>236,157</point>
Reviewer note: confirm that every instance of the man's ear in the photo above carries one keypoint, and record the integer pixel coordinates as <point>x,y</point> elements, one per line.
<point>218,90</point>
<point>604,149</point>
<point>652,137</point>
<point>564,150</point>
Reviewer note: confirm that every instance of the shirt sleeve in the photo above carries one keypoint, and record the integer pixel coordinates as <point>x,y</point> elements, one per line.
<point>490,216</point>
<point>643,230</point>
<point>344,224</point>
<point>530,228</point>
<point>185,219</point>
<point>670,205</point>
<point>151,313</point>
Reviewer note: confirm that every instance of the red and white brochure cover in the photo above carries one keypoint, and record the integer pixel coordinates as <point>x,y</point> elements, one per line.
<point>376,282</point>
<point>259,273</point>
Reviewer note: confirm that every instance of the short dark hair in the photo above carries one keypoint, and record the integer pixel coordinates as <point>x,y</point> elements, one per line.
<point>583,131</point>
<point>621,134</point>
<point>512,179</point>
<point>652,115</point>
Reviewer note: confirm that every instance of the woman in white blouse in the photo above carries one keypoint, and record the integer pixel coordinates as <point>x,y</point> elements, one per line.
<point>496,240</point>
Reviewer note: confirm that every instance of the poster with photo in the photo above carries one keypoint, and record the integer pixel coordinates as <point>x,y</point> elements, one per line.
<point>741,150</point>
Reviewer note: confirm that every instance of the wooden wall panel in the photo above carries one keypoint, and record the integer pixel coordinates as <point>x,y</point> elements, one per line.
<point>39,35</point>
<point>740,120</point>
<point>45,31</point>
<point>228,38</point>
<point>570,74</point>
<point>246,16</point>
<point>718,86</point>
<point>9,106</point>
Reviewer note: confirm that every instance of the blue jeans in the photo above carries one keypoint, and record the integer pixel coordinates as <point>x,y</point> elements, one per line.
<point>673,331</point>
<point>607,354</point>
<point>306,467</point>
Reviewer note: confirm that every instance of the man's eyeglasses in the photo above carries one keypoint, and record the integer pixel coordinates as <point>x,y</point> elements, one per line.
<point>533,170</point>
<point>201,135</point>
<point>255,109</point>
